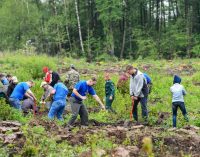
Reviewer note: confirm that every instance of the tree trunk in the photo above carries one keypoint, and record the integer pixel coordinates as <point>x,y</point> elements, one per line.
<point>163,13</point>
<point>67,28</point>
<point>57,27</point>
<point>124,32</point>
<point>177,9</point>
<point>112,41</point>
<point>150,13</point>
<point>89,57</point>
<point>79,26</point>
<point>169,11</point>
<point>173,9</point>
<point>189,30</point>
<point>157,16</point>
<point>27,6</point>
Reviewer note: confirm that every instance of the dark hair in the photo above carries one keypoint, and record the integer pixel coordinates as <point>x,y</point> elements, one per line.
<point>94,79</point>
<point>129,67</point>
<point>73,68</point>
<point>8,75</point>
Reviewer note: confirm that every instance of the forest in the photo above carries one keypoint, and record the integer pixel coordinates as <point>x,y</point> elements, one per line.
<point>95,29</point>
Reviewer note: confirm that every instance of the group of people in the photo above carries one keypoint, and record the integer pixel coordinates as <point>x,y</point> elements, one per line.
<point>57,93</point>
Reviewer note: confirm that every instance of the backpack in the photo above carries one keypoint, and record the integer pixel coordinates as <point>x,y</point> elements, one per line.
<point>145,89</point>
<point>148,82</point>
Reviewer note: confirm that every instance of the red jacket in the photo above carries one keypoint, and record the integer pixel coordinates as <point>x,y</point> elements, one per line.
<point>48,75</point>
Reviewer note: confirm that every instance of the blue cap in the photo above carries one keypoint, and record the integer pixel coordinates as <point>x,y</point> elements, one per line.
<point>177,79</point>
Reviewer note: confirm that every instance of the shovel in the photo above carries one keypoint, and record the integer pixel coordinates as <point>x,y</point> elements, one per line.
<point>34,108</point>
<point>131,113</point>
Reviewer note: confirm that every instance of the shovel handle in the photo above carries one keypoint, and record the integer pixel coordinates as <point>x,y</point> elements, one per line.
<point>34,108</point>
<point>131,113</point>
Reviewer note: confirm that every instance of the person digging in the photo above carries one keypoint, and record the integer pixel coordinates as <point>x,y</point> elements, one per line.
<point>46,98</point>
<point>59,101</point>
<point>81,89</point>
<point>21,90</point>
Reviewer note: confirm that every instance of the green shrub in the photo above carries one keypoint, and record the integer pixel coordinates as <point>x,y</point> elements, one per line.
<point>9,113</point>
<point>106,58</point>
<point>29,151</point>
<point>196,78</point>
<point>28,67</point>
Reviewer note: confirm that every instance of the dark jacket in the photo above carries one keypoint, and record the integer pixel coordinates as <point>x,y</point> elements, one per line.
<point>109,88</point>
<point>55,78</point>
<point>11,87</point>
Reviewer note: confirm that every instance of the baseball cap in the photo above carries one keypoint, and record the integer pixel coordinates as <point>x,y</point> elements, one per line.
<point>14,79</point>
<point>43,83</point>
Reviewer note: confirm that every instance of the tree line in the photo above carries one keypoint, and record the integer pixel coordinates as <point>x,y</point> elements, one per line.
<point>92,28</point>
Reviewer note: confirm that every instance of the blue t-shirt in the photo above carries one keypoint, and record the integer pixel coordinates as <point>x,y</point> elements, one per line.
<point>19,91</point>
<point>147,77</point>
<point>4,81</point>
<point>83,89</point>
<point>61,92</point>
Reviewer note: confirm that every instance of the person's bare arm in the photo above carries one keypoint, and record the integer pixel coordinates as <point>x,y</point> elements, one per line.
<point>30,93</point>
<point>96,97</point>
<point>50,94</point>
<point>78,95</point>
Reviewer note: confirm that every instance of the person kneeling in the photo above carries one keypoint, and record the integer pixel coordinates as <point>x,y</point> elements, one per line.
<point>22,89</point>
<point>28,104</point>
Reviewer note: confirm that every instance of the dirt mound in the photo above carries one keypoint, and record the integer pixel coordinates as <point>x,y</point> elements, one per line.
<point>119,135</point>
<point>128,151</point>
<point>10,134</point>
<point>162,116</point>
<point>196,83</point>
<point>183,69</point>
<point>177,144</point>
<point>49,126</point>
<point>182,140</point>
<point>73,139</point>
<point>126,135</point>
<point>85,71</point>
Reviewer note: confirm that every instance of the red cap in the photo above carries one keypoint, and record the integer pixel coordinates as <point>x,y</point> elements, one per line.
<point>45,69</point>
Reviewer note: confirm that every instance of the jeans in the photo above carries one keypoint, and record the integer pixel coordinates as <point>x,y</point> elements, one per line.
<point>78,108</point>
<point>175,106</point>
<point>143,102</point>
<point>15,103</point>
<point>57,109</point>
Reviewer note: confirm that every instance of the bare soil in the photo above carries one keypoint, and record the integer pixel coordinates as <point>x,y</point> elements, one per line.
<point>182,69</point>
<point>171,142</point>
